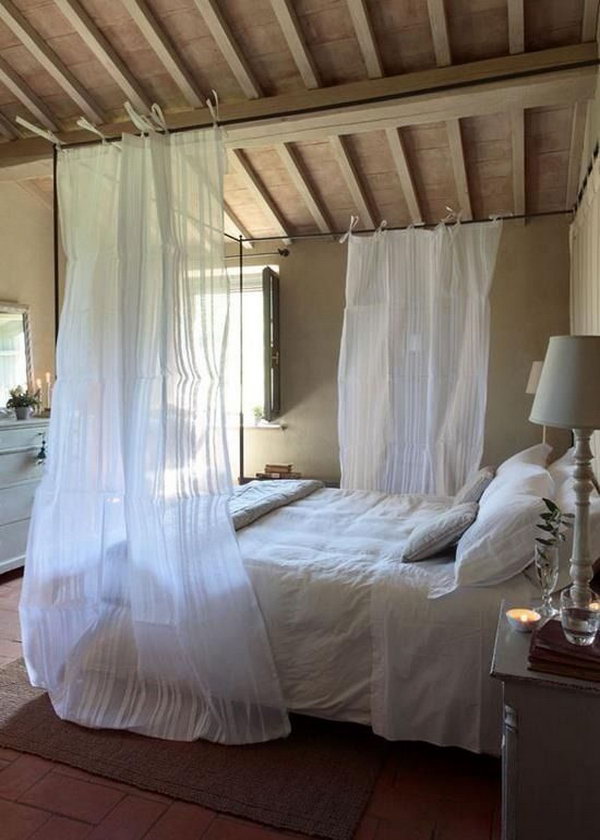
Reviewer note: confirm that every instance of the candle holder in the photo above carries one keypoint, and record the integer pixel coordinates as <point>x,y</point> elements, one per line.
<point>523,620</point>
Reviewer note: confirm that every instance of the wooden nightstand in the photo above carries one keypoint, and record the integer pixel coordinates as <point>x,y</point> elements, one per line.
<point>550,748</point>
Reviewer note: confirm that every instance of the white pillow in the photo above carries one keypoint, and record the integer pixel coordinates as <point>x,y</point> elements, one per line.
<point>439,533</point>
<point>562,469</point>
<point>500,543</point>
<point>473,488</point>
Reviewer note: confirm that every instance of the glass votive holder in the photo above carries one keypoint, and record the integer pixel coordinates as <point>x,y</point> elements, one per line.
<point>579,624</point>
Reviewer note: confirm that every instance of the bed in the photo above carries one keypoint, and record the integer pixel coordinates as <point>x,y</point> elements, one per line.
<point>357,635</point>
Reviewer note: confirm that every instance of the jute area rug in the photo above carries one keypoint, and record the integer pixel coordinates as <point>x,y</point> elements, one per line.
<point>317,781</point>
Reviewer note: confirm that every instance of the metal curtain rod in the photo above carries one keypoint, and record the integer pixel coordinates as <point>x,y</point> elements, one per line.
<point>335,233</point>
<point>333,106</point>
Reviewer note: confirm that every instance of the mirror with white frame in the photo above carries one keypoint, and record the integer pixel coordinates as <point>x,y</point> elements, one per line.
<point>16,366</point>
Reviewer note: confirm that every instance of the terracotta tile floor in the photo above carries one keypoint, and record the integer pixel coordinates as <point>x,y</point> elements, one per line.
<point>423,792</point>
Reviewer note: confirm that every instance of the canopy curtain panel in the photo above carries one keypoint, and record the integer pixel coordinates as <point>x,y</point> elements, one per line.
<point>585,271</point>
<point>414,357</point>
<point>137,612</point>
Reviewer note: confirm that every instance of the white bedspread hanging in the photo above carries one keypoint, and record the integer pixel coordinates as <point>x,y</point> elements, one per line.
<point>414,358</point>
<point>137,612</point>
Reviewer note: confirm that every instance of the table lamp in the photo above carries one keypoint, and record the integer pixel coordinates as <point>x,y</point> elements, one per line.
<point>568,397</point>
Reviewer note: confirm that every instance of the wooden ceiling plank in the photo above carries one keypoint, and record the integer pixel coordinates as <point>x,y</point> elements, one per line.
<point>575,152</point>
<point>589,21</point>
<point>7,129</point>
<point>517,133</point>
<point>352,180</point>
<point>460,170</point>
<point>516,27</point>
<point>439,32</point>
<point>223,36</point>
<point>298,176</point>
<point>365,37</point>
<point>48,59</point>
<point>292,32</point>
<point>418,98</point>
<point>253,184</point>
<point>234,227</point>
<point>159,41</point>
<point>93,38</point>
<point>404,175</point>
<point>23,93</point>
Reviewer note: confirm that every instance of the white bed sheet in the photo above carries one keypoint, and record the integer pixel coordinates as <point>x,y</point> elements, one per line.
<point>354,634</point>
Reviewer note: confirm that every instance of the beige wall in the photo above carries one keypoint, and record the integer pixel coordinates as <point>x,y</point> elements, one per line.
<point>529,302</point>
<point>26,266</point>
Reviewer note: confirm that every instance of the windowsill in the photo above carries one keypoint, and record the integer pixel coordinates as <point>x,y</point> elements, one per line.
<point>280,426</point>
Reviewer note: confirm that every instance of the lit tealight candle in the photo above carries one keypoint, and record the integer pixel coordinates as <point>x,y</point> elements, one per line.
<point>523,620</point>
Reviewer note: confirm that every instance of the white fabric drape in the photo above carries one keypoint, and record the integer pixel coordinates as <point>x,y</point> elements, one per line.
<point>414,357</point>
<point>137,612</point>
<point>585,271</point>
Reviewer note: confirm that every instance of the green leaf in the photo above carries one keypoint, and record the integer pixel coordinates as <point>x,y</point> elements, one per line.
<point>550,505</point>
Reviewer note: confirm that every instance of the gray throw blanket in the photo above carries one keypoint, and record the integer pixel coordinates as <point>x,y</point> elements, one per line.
<point>251,501</point>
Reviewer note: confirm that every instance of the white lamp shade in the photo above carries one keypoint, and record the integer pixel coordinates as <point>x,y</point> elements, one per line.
<point>534,377</point>
<point>568,393</point>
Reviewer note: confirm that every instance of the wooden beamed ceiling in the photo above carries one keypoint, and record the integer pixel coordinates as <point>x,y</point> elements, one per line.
<point>510,140</point>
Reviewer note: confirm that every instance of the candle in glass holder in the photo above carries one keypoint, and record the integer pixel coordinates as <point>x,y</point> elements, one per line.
<point>523,620</point>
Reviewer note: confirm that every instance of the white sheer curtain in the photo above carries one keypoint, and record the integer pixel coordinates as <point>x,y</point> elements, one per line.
<point>414,358</point>
<point>137,612</point>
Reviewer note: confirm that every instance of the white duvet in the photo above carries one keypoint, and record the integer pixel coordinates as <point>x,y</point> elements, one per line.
<point>354,634</point>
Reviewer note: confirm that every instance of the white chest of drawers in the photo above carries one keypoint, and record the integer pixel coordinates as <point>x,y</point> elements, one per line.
<point>20,442</point>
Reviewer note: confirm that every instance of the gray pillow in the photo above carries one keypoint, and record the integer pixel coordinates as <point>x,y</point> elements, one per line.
<point>439,533</point>
<point>472,489</point>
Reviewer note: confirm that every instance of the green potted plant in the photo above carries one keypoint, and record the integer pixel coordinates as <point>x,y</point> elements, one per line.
<point>258,414</point>
<point>23,401</point>
<point>554,525</point>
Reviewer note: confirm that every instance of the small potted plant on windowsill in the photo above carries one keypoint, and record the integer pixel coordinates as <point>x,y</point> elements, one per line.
<point>258,414</point>
<point>23,402</point>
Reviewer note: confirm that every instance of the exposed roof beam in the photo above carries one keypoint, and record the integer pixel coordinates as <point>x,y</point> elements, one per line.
<point>159,41</point>
<point>460,170</point>
<point>234,227</point>
<point>93,38</point>
<point>545,78</point>
<point>516,26</point>
<point>48,59</point>
<point>23,93</point>
<point>517,133</point>
<point>250,180</point>
<point>298,177</point>
<point>439,32</point>
<point>352,181</point>
<point>366,40</point>
<point>290,26</point>
<point>575,151</point>
<point>589,21</point>
<point>404,175</point>
<point>222,34</point>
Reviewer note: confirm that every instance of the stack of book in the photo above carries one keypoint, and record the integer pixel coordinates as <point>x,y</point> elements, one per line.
<point>278,471</point>
<point>551,653</point>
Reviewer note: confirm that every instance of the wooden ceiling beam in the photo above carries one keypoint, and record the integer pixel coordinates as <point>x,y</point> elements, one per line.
<point>48,59</point>
<point>439,32</point>
<point>457,154</point>
<point>299,179</point>
<point>589,22</point>
<point>254,185</point>
<point>516,27</point>
<point>352,180</point>
<point>93,38</point>
<point>517,134</point>
<point>292,32</point>
<point>234,227</point>
<point>167,54</point>
<point>219,29</point>
<point>558,77</point>
<point>575,152</point>
<point>361,22</point>
<point>23,93</point>
<point>404,175</point>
